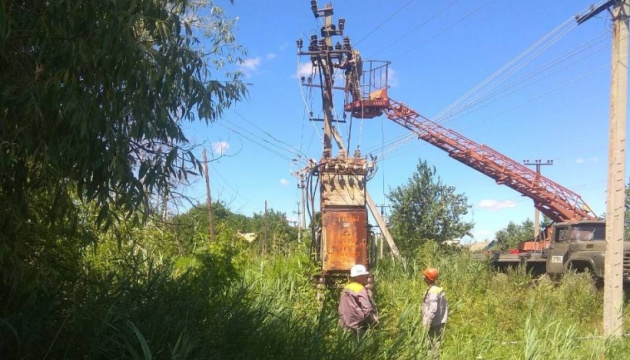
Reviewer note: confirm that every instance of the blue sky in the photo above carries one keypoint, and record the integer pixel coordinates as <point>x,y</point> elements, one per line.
<point>550,102</point>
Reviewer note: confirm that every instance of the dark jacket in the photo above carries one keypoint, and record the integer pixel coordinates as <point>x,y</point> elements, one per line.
<point>356,309</point>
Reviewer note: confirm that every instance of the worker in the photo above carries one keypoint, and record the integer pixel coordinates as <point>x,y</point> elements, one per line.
<point>434,311</point>
<point>356,308</point>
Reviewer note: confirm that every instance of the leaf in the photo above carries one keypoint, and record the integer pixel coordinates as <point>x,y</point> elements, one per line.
<point>146,351</point>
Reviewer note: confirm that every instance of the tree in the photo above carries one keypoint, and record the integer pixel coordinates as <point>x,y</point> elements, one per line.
<point>513,234</point>
<point>98,100</point>
<point>273,230</point>
<point>426,209</point>
<point>93,97</point>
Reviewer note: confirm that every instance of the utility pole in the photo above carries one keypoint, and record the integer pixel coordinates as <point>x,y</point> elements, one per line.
<point>298,223</point>
<point>266,238</point>
<point>615,198</point>
<point>538,163</point>
<point>208,196</point>
<point>303,201</point>
<point>382,207</point>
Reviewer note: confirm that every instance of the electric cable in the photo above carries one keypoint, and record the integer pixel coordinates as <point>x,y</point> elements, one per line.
<point>392,43</point>
<point>384,22</point>
<point>399,141</point>
<point>511,64</point>
<point>294,150</point>
<point>256,142</point>
<point>445,29</point>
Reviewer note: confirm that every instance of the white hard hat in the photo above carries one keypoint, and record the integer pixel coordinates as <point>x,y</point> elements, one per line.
<point>358,270</point>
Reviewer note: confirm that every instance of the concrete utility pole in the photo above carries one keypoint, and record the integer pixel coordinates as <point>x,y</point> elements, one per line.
<point>327,94</point>
<point>538,164</point>
<point>615,202</point>
<point>209,197</point>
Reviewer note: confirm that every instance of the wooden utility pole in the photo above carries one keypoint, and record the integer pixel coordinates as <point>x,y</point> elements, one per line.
<point>303,202</point>
<point>538,164</point>
<point>208,196</point>
<point>381,224</point>
<point>266,238</point>
<point>298,223</point>
<point>615,200</point>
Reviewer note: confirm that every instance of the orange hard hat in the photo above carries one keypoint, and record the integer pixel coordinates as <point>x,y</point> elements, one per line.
<point>431,274</point>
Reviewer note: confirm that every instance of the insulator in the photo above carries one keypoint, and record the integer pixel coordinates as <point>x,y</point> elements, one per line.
<point>337,46</point>
<point>342,24</point>
<point>299,43</point>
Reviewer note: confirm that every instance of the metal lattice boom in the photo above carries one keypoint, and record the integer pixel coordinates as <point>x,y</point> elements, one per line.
<point>555,201</point>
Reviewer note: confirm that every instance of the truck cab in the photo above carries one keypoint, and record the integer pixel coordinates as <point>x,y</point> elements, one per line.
<point>581,245</point>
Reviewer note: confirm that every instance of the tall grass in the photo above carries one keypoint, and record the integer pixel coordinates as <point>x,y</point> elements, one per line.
<point>224,303</point>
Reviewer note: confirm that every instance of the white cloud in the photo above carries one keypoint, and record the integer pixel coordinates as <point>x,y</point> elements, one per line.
<point>284,182</point>
<point>305,69</point>
<point>496,204</point>
<point>271,56</point>
<point>220,148</point>
<point>250,66</point>
<point>392,77</point>
<point>581,160</point>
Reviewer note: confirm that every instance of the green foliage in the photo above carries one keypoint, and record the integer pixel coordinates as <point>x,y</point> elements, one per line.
<point>426,209</point>
<point>273,231</point>
<point>93,98</point>
<point>131,299</point>
<point>509,237</point>
<point>192,225</point>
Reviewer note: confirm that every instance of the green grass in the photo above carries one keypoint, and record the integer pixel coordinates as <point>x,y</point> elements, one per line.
<point>225,303</point>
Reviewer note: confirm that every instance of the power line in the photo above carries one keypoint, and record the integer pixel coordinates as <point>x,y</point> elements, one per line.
<point>397,142</point>
<point>392,43</point>
<point>444,29</point>
<point>256,142</point>
<point>291,149</point>
<point>384,22</point>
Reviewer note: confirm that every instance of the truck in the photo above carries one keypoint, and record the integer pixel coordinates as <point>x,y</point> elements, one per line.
<point>575,240</point>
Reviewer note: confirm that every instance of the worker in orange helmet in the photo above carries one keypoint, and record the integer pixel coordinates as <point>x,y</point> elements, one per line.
<point>434,310</point>
<point>356,308</point>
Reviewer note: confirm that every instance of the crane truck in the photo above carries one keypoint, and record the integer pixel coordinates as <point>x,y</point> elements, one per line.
<point>576,240</point>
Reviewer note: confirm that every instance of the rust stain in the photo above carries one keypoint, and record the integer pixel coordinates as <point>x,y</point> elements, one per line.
<point>345,233</point>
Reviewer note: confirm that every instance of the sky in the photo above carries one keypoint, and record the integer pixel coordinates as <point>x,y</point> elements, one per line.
<point>519,76</point>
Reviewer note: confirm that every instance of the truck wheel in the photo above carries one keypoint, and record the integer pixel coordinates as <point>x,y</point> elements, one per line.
<point>597,282</point>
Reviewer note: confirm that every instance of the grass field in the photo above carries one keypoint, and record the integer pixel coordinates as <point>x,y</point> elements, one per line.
<point>229,303</point>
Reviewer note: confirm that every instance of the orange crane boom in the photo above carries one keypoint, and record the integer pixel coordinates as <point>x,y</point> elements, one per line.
<point>552,199</point>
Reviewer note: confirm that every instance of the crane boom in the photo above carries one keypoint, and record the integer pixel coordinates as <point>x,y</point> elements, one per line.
<point>552,199</point>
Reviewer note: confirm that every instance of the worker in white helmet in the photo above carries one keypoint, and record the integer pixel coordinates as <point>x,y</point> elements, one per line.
<point>356,308</point>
